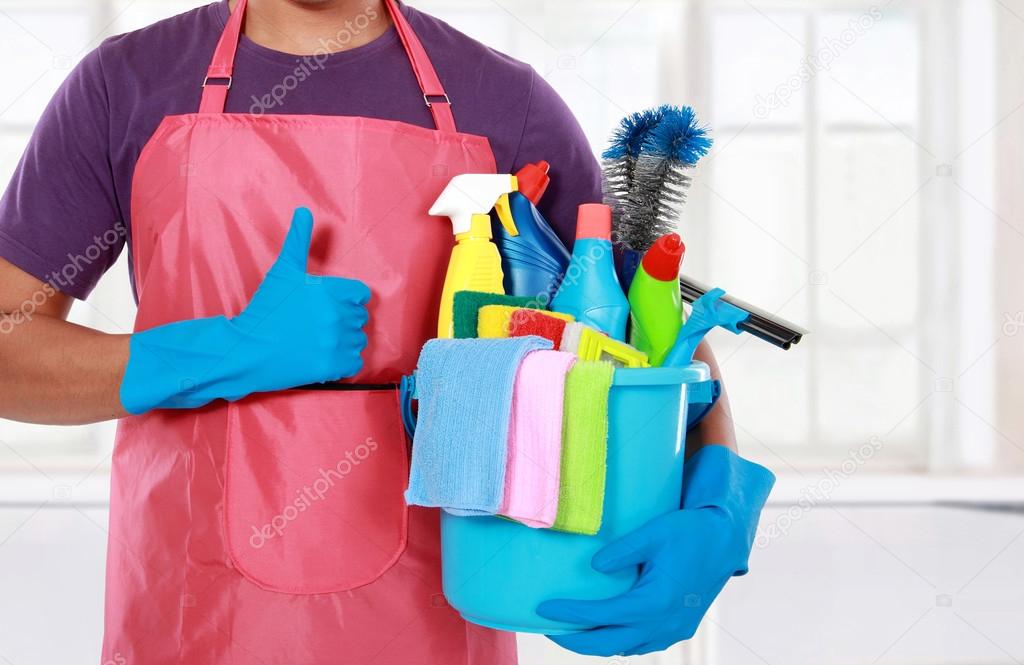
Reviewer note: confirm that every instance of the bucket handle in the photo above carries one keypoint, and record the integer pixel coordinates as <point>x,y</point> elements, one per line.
<point>701,397</point>
<point>406,394</point>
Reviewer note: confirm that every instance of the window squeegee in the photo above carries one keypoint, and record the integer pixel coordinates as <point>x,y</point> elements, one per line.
<point>757,322</point>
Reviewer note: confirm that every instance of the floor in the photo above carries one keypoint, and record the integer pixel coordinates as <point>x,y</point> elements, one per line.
<point>835,585</point>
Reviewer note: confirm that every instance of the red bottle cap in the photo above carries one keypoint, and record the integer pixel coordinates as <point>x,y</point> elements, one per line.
<point>534,180</point>
<point>594,221</point>
<point>663,258</point>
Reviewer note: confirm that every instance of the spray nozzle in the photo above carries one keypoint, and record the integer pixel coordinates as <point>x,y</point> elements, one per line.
<point>473,195</point>
<point>504,210</point>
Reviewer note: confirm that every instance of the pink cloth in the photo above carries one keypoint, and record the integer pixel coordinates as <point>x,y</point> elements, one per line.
<point>535,439</point>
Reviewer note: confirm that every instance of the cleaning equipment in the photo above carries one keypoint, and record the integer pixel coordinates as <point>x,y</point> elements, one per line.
<point>571,337</point>
<point>709,312</point>
<point>685,559</point>
<point>475,263</point>
<point>526,322</point>
<point>584,448</point>
<point>493,321</point>
<point>589,344</point>
<point>467,306</point>
<point>619,161</point>
<point>535,259</point>
<point>590,290</point>
<point>496,320</point>
<point>464,388</point>
<point>645,178</point>
<point>646,175</point>
<point>535,439</point>
<point>271,345</point>
<point>656,310</point>
<point>761,324</point>
<point>203,497</point>
<point>496,572</point>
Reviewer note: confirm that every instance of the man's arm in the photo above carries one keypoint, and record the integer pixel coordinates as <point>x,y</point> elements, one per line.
<point>717,427</point>
<point>54,372</point>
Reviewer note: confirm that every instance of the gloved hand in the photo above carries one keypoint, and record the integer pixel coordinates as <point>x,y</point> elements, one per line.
<point>297,329</point>
<point>685,559</point>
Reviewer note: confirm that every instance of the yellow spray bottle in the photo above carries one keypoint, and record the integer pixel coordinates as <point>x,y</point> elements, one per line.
<point>475,264</point>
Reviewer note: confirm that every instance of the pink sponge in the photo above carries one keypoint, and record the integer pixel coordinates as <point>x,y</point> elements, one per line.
<point>535,322</point>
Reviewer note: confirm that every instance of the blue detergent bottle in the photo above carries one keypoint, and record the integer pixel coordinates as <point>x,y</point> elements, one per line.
<point>534,260</point>
<point>590,290</point>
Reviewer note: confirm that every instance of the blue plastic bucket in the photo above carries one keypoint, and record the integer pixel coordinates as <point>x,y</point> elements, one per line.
<point>496,572</point>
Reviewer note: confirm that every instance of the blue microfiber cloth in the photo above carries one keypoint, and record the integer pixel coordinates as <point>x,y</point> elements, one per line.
<point>464,388</point>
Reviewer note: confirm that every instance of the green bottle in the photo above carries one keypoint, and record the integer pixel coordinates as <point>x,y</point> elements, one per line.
<point>656,310</point>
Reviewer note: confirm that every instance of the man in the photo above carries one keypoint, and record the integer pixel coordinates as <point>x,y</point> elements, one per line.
<point>187,141</point>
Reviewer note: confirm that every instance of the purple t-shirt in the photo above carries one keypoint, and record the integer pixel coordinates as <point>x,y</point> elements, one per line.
<point>64,216</point>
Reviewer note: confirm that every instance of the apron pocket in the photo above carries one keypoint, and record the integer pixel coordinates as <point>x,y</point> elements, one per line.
<point>313,488</point>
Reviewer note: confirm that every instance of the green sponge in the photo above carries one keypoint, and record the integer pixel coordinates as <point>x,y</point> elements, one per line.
<point>467,304</point>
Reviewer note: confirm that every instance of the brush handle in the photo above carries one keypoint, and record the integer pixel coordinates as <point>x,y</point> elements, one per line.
<point>629,263</point>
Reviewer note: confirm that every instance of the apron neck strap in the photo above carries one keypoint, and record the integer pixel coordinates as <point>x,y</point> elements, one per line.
<point>218,76</point>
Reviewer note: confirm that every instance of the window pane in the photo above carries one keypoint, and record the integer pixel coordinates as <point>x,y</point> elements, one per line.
<point>865,390</point>
<point>869,230</point>
<point>46,45</point>
<point>769,391</point>
<point>23,445</point>
<point>756,65</point>
<point>611,60</point>
<point>754,231</point>
<point>757,222</point>
<point>11,147</point>
<point>873,72</point>
<point>132,15</point>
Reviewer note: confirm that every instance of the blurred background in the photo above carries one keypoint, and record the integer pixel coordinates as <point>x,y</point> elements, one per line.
<point>866,183</point>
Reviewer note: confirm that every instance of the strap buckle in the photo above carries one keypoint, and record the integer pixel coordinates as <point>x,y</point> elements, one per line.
<point>426,99</point>
<point>206,81</point>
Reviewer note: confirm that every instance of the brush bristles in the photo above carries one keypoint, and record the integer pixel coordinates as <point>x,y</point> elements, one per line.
<point>631,133</point>
<point>657,198</point>
<point>616,175</point>
<point>645,172</point>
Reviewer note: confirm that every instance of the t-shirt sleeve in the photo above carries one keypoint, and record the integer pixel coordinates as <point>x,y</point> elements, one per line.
<point>553,134</point>
<point>59,217</point>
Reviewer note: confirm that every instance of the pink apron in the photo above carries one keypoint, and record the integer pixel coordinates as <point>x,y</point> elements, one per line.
<point>273,530</point>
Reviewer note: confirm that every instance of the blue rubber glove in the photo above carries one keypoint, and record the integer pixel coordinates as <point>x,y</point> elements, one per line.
<point>685,559</point>
<point>297,329</point>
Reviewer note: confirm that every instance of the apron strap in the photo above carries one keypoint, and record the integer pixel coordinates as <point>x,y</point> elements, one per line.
<point>218,76</point>
<point>433,92</point>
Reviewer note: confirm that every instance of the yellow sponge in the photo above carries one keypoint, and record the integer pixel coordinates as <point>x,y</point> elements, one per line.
<point>496,320</point>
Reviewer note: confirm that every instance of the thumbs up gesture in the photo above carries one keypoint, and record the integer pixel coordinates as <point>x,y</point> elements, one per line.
<point>297,329</point>
<point>308,327</point>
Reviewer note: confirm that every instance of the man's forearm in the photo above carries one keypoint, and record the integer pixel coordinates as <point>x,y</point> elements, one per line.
<point>59,373</point>
<point>717,428</point>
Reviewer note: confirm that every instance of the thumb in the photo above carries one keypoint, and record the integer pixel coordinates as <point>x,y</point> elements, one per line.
<point>631,550</point>
<point>295,250</point>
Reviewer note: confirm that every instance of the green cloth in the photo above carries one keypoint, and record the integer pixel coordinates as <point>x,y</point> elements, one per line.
<point>584,447</point>
<point>466,309</point>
